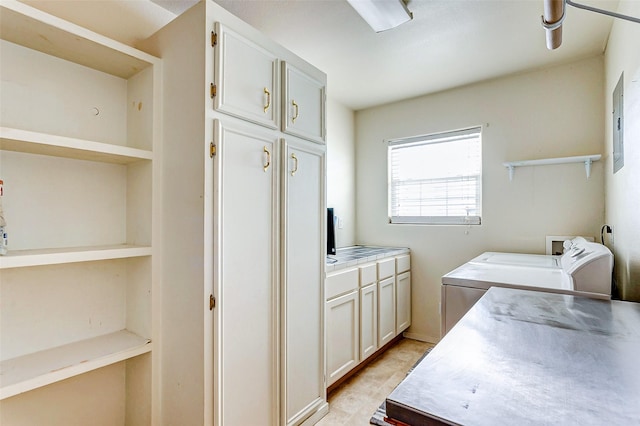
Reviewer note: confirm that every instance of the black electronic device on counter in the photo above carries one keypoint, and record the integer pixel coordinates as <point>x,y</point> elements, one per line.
<point>331,232</point>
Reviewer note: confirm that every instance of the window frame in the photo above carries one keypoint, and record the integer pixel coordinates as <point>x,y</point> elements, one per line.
<point>440,137</point>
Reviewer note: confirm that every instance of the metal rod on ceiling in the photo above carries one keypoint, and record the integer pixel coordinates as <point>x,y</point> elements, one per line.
<point>552,22</point>
<point>604,12</point>
<point>554,14</point>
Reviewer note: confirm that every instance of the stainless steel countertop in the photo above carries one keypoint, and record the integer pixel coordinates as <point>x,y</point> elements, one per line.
<point>529,358</point>
<point>351,256</point>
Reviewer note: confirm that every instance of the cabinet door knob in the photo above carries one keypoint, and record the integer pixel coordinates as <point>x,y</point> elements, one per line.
<point>295,105</point>
<point>268,104</point>
<point>295,169</point>
<point>268,158</point>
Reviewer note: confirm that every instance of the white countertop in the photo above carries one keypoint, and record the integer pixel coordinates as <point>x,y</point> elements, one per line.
<point>355,255</point>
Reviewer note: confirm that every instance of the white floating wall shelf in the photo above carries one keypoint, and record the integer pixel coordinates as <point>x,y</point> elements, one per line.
<point>586,159</point>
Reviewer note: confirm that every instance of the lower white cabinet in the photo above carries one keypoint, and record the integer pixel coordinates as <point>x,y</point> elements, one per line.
<point>386,310</point>
<point>368,320</point>
<point>343,327</point>
<point>403,301</point>
<point>367,306</point>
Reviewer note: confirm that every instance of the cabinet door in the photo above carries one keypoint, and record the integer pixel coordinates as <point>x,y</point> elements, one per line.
<point>386,310</point>
<point>368,320</point>
<point>246,270</point>
<point>246,79</point>
<point>303,111</point>
<point>342,335</point>
<point>303,219</point>
<point>403,302</point>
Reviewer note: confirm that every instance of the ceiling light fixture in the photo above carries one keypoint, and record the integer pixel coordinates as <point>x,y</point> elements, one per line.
<point>382,15</point>
<point>554,14</point>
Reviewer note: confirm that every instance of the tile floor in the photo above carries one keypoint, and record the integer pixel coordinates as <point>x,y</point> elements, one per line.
<point>355,401</point>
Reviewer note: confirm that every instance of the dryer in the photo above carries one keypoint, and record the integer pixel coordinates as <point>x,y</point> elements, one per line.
<point>584,269</point>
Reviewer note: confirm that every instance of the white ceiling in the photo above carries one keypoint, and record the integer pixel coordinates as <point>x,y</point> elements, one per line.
<point>449,43</point>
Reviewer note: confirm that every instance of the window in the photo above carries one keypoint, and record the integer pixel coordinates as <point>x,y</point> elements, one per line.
<point>436,179</point>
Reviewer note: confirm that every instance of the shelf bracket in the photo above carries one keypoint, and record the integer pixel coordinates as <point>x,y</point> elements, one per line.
<point>587,167</point>
<point>512,169</point>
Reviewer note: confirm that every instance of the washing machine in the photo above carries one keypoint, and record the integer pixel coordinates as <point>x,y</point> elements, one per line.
<point>584,269</point>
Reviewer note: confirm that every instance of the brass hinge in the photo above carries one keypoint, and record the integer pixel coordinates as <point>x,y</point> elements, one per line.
<point>212,150</point>
<point>214,90</point>
<point>212,302</point>
<point>214,39</point>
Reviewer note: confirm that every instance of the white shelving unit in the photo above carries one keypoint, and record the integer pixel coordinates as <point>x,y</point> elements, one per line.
<point>79,141</point>
<point>587,160</point>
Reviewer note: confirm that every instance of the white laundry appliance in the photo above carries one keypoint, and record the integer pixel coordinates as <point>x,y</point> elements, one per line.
<point>584,269</point>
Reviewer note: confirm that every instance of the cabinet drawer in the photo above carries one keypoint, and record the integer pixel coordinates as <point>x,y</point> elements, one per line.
<point>341,282</point>
<point>367,274</point>
<point>403,263</point>
<point>386,268</point>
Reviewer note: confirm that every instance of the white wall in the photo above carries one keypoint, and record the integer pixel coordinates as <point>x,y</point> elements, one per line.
<point>554,112</point>
<point>341,189</point>
<point>623,187</point>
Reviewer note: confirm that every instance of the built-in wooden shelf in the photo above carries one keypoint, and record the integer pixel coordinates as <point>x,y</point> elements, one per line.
<point>29,27</point>
<point>60,146</point>
<point>586,159</point>
<point>24,258</point>
<point>32,371</point>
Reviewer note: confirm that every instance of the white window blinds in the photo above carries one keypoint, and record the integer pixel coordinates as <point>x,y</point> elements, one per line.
<point>436,179</point>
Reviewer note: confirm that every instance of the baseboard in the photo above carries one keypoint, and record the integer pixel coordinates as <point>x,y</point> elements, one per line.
<point>421,337</point>
<point>322,411</point>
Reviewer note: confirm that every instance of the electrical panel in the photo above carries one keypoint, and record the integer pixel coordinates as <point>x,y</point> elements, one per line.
<point>618,125</point>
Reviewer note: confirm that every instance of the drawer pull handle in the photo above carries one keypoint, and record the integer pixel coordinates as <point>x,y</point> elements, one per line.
<point>293,172</point>
<point>295,105</point>
<point>268,156</point>
<point>266,92</point>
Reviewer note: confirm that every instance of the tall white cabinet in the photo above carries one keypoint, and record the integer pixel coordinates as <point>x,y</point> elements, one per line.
<point>79,150</point>
<point>242,296</point>
<point>302,260</point>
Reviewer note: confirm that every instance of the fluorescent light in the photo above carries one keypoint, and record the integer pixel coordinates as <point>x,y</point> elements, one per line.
<point>382,15</point>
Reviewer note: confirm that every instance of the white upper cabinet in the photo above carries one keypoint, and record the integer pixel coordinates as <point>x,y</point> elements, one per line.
<point>303,104</point>
<point>246,78</point>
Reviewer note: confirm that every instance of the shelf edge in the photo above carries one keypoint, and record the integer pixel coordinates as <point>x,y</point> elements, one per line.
<point>65,372</point>
<point>559,160</point>
<point>27,141</point>
<point>28,258</point>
